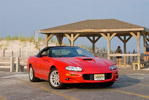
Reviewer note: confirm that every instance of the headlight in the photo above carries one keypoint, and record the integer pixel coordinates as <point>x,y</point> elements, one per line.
<point>113,67</point>
<point>72,68</point>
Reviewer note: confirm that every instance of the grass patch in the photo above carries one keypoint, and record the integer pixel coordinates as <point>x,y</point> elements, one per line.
<point>1,46</point>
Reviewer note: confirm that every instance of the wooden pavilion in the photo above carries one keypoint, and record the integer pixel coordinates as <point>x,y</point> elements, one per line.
<point>95,29</point>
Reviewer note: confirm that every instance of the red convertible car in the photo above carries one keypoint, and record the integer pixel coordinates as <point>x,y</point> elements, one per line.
<point>61,65</point>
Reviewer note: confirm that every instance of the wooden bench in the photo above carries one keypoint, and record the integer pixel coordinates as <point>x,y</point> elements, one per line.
<point>143,64</point>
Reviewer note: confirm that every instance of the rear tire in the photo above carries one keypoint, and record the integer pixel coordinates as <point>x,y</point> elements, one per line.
<point>54,79</point>
<point>32,77</point>
<point>107,84</point>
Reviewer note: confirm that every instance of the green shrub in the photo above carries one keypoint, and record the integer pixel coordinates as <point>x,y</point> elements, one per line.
<point>1,38</point>
<point>15,37</point>
<point>1,46</point>
<point>22,39</point>
<point>52,41</point>
<point>31,39</point>
<point>8,38</point>
<point>39,39</point>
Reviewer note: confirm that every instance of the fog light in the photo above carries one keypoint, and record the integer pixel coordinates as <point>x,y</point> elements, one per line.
<point>116,73</point>
<point>67,79</point>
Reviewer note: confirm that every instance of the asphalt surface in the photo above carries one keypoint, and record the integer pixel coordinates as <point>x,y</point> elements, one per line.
<point>132,85</point>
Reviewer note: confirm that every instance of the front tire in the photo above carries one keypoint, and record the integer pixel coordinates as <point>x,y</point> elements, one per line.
<point>54,79</point>
<point>32,77</point>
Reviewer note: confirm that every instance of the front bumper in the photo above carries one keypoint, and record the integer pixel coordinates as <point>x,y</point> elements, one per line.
<point>78,77</point>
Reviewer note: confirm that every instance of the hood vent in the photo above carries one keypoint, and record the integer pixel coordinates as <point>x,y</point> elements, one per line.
<point>85,58</point>
<point>88,59</point>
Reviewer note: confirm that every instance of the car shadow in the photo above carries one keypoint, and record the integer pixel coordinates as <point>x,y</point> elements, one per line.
<point>123,81</point>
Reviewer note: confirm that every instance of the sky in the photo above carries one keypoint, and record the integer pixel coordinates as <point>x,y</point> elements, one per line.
<point>23,17</point>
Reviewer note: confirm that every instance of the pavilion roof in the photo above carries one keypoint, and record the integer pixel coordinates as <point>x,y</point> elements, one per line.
<point>97,25</point>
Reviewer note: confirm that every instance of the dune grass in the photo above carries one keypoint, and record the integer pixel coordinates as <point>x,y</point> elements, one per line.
<point>21,38</point>
<point>1,46</point>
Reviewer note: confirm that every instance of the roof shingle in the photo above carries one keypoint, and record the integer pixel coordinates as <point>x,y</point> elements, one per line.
<point>96,24</point>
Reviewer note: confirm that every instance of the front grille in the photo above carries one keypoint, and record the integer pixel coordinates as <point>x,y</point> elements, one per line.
<point>91,76</point>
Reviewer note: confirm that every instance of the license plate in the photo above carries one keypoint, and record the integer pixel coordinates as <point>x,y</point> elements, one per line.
<point>99,77</point>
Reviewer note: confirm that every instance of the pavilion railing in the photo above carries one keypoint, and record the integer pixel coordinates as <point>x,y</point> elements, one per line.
<point>129,57</point>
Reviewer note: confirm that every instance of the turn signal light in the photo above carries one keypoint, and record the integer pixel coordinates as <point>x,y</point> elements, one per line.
<point>71,75</point>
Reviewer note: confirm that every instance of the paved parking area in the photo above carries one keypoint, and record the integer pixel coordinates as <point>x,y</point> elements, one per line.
<point>132,85</point>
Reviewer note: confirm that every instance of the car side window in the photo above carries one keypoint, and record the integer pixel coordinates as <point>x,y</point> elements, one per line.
<point>45,53</point>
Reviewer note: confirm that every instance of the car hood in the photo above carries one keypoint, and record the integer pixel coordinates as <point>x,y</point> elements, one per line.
<point>87,63</point>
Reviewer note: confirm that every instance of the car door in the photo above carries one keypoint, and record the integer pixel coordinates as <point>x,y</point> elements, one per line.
<point>43,64</point>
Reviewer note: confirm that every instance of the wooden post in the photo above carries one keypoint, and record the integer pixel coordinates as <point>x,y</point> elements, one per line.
<point>72,41</point>
<point>125,50</point>
<point>108,38</point>
<point>47,38</point>
<point>93,45</point>
<point>138,47</point>
<point>59,39</point>
<point>3,52</point>
<point>93,41</point>
<point>17,64</point>
<point>124,42</point>
<point>108,47</point>
<point>20,52</point>
<point>72,38</point>
<point>11,64</point>
<point>137,36</point>
<point>12,53</point>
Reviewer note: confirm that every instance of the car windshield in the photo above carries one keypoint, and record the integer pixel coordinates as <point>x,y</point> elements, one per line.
<point>69,52</point>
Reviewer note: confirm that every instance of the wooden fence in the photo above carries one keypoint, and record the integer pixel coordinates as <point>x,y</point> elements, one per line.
<point>15,64</point>
<point>19,53</point>
<point>129,59</point>
<point>18,59</point>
